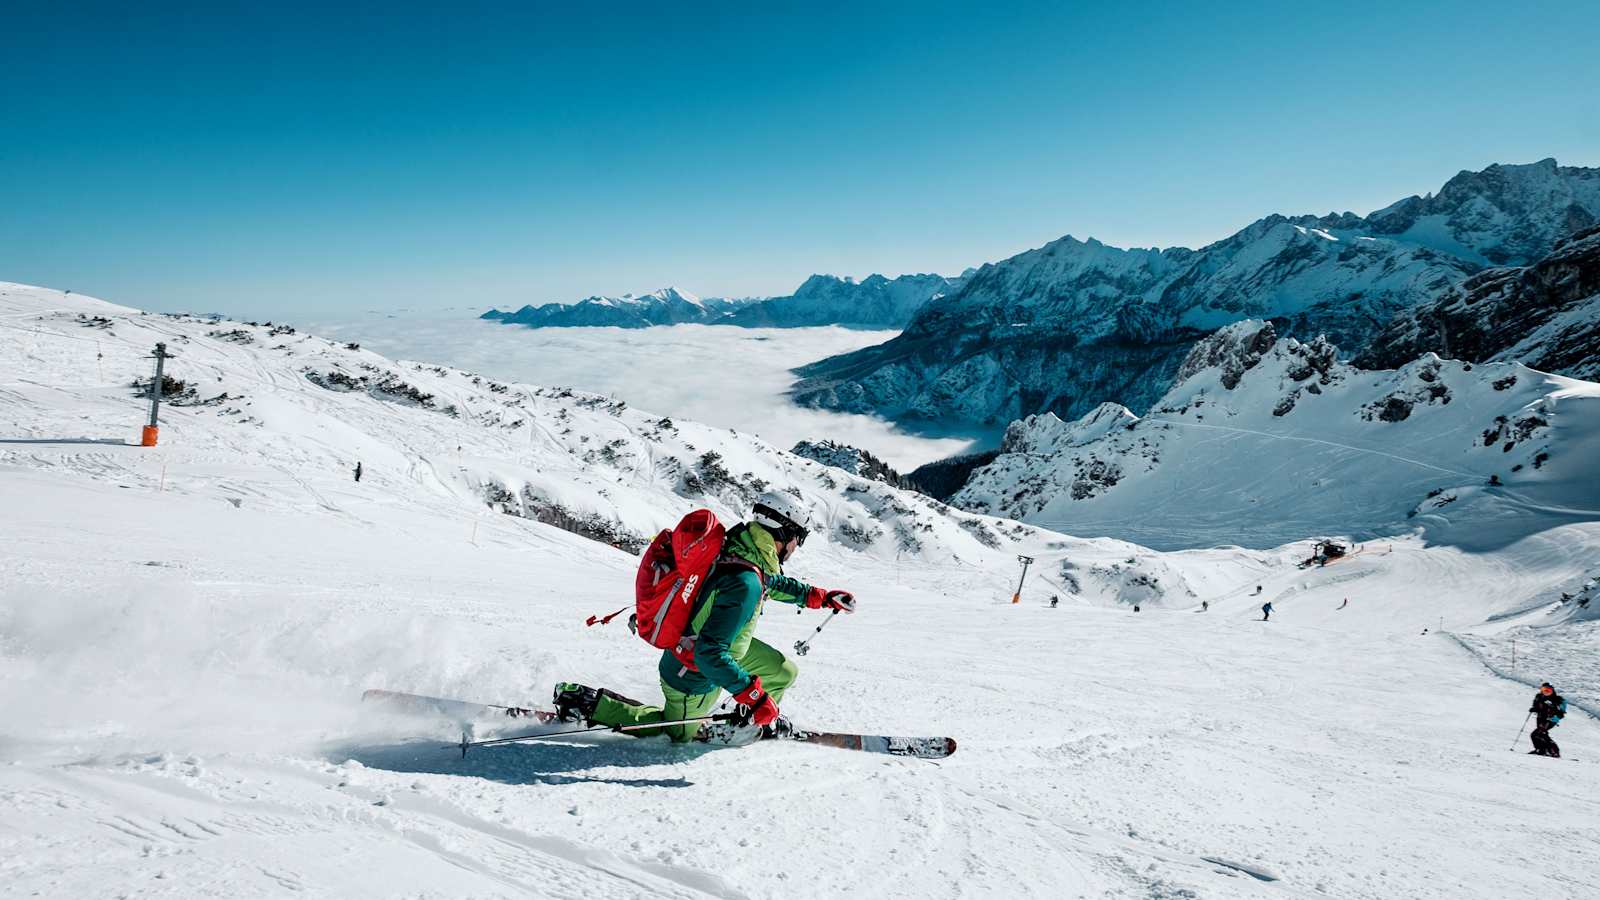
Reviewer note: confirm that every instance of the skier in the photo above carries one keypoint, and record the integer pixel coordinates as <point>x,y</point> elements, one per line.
<point>726,655</point>
<point>1136,607</point>
<point>358,471</point>
<point>1549,707</point>
<point>1205,605</point>
<point>1055,601</point>
<point>1258,591</point>
<point>1266,610</point>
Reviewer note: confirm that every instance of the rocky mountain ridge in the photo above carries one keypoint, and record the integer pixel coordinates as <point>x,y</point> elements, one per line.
<point>874,302</point>
<point>667,306</point>
<point>1546,316</point>
<point>1074,323</point>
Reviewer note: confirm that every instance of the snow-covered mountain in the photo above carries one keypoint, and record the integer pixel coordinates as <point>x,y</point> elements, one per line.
<point>874,302</point>
<point>1076,323</point>
<point>667,306</point>
<point>1264,440</point>
<point>185,631</point>
<point>586,463</point>
<point>1546,315</point>
<point>1505,215</point>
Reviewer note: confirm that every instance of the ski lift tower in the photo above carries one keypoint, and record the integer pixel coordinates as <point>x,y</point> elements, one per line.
<point>1026,561</point>
<point>152,430</point>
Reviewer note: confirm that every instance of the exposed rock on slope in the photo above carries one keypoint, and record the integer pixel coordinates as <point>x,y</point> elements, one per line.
<point>1074,323</point>
<point>1263,446</point>
<point>1503,215</point>
<point>853,460</point>
<point>1546,315</point>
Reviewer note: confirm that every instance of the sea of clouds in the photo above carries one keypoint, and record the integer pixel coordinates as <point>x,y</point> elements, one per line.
<point>733,377</point>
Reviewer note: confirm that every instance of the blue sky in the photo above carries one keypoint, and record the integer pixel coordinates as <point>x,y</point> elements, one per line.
<point>279,160</point>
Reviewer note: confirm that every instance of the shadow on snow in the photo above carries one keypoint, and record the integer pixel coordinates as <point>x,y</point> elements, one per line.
<point>535,762</point>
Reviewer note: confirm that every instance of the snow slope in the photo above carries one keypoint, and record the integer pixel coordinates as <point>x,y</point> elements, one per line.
<point>184,631</point>
<point>1266,440</point>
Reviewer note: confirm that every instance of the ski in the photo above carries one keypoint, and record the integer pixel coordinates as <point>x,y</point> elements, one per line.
<point>919,747</point>
<point>421,704</point>
<point>733,734</point>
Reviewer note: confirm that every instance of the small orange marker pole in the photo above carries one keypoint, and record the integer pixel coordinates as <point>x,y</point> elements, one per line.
<point>148,437</point>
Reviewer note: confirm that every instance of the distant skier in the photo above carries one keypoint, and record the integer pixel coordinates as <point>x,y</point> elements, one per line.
<point>1345,603</point>
<point>1205,605</point>
<point>1054,601</point>
<point>1136,607</point>
<point>1258,591</point>
<point>1266,611</point>
<point>1548,708</point>
<point>723,655</point>
<point>358,471</point>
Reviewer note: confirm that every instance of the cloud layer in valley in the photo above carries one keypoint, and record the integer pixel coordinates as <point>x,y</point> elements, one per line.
<point>734,377</point>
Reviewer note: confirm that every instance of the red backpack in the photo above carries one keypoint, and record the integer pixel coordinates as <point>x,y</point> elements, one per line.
<point>674,569</point>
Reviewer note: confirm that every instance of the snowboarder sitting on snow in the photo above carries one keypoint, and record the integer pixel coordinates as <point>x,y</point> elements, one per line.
<point>727,656</point>
<point>1549,707</point>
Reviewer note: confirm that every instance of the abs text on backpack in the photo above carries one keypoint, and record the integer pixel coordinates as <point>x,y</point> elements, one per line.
<point>672,575</point>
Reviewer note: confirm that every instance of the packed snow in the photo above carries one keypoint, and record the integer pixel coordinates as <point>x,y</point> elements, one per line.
<point>185,632</point>
<point>1475,454</point>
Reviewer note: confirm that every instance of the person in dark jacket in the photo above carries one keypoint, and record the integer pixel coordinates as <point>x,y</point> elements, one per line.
<point>1548,708</point>
<point>1266,611</point>
<point>358,470</point>
<point>726,654</point>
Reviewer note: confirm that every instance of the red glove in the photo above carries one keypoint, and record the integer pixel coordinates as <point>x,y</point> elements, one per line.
<point>762,711</point>
<point>838,601</point>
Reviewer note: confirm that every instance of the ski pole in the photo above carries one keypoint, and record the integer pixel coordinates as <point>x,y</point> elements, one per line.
<point>1520,730</point>
<point>465,744</point>
<point>804,647</point>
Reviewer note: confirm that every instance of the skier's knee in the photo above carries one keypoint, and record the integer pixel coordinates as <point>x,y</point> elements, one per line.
<point>785,676</point>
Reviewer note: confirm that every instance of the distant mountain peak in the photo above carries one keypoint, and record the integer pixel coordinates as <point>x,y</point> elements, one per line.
<point>1072,323</point>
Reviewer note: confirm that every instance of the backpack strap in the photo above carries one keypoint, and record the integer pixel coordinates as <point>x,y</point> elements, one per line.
<point>684,652</point>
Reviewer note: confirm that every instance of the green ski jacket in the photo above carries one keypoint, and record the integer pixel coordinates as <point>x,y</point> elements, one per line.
<point>726,616</point>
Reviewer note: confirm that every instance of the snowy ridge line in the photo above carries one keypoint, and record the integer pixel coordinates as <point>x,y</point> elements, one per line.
<point>1502,673</point>
<point>58,334</point>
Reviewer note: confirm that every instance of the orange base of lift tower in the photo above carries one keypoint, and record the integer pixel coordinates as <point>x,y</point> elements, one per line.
<point>148,438</point>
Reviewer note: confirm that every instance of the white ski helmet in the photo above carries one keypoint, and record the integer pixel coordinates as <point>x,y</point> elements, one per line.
<point>783,514</point>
